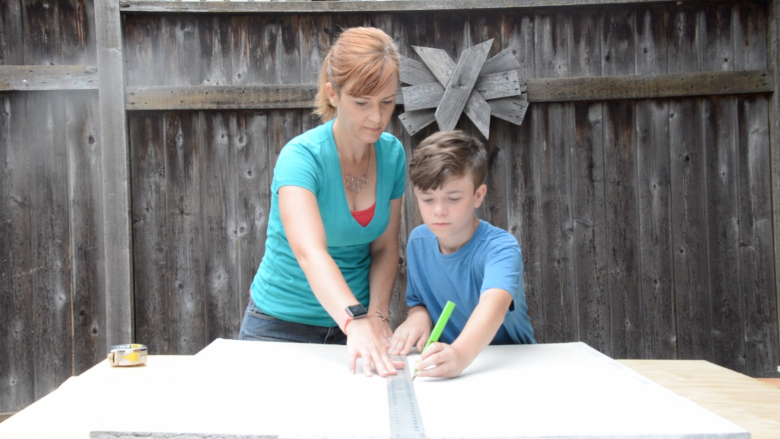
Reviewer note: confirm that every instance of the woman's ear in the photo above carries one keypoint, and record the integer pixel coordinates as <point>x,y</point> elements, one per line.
<point>479,195</point>
<point>333,96</point>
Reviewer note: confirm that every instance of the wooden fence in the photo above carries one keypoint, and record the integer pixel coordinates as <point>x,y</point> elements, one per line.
<point>138,139</point>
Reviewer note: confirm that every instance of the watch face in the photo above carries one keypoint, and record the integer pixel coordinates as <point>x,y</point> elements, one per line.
<point>356,311</point>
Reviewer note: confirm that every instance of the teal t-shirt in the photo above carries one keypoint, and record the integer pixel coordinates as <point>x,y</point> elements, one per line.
<point>311,161</point>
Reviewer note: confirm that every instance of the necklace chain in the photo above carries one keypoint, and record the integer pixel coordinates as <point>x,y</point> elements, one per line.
<point>355,184</point>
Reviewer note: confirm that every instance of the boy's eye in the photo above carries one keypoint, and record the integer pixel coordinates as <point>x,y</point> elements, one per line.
<point>454,199</point>
<point>427,200</point>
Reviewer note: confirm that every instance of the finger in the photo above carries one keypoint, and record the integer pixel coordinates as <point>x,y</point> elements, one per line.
<point>366,364</point>
<point>352,362</point>
<point>432,349</point>
<point>422,340</point>
<point>408,345</point>
<point>399,364</point>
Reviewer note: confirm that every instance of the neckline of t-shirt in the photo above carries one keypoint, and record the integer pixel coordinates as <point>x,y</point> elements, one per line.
<point>345,205</point>
<point>463,250</point>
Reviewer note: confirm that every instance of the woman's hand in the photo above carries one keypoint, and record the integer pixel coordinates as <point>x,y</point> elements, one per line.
<point>363,342</point>
<point>448,361</point>
<point>416,329</point>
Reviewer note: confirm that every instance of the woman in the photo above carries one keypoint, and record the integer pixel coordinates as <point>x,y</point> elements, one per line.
<point>332,248</point>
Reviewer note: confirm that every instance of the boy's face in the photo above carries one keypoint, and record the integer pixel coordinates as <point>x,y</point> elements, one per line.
<point>449,210</point>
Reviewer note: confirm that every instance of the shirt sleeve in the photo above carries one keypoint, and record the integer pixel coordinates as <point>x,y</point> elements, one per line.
<point>504,270</point>
<point>296,166</point>
<point>400,171</point>
<point>412,294</point>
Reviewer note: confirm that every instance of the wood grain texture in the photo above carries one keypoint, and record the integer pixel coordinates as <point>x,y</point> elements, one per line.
<point>773,38</point>
<point>654,192</point>
<point>745,401</point>
<point>51,290</point>
<point>692,296</point>
<point>220,97</point>
<point>16,253</point>
<point>48,78</point>
<point>116,226</point>
<point>594,325</point>
<point>82,128</point>
<point>357,6</point>
<point>719,132</point>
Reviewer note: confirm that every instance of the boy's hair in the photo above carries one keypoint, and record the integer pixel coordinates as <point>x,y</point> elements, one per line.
<point>445,155</point>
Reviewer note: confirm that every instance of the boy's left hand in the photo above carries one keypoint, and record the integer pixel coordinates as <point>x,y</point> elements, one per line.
<point>449,361</point>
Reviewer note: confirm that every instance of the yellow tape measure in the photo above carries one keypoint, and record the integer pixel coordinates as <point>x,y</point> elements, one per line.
<point>127,355</point>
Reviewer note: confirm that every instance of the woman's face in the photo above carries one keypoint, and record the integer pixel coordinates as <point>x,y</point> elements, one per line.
<point>364,118</point>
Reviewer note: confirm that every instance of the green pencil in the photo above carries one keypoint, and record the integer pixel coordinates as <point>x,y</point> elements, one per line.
<point>440,324</point>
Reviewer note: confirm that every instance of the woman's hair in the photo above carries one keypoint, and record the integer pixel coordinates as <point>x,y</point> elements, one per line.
<point>445,155</point>
<point>364,54</point>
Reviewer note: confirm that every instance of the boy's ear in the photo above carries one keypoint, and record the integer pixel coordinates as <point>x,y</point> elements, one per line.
<point>479,195</point>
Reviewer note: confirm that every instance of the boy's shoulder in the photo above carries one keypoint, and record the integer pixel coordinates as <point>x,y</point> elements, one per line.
<point>496,235</point>
<point>421,232</point>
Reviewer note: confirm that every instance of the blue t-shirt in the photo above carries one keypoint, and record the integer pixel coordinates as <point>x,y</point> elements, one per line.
<point>311,161</point>
<point>490,259</point>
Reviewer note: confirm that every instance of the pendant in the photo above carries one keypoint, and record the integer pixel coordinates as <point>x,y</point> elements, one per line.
<point>355,184</point>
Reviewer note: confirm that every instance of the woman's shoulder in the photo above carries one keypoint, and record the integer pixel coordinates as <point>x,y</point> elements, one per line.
<point>313,140</point>
<point>390,145</point>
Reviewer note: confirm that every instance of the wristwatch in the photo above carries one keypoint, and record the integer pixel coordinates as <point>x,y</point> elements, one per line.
<point>354,312</point>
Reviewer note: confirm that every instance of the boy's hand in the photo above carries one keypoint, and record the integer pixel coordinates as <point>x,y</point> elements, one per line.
<point>416,329</point>
<point>449,361</point>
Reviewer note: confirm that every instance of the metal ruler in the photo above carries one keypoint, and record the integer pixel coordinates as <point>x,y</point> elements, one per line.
<point>405,419</point>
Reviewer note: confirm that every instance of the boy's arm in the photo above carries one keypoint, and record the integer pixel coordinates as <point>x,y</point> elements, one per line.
<point>450,360</point>
<point>416,329</point>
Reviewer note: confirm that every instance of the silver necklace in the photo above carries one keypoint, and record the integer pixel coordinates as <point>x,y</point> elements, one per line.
<point>355,184</point>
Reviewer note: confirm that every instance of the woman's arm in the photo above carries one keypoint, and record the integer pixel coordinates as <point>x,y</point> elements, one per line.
<point>305,232</point>
<point>384,267</point>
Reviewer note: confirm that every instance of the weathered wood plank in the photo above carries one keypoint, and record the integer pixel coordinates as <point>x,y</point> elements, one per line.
<point>11,33</point>
<point>359,6</point>
<point>78,44</point>
<point>150,231</point>
<point>50,241</point>
<point>185,139</point>
<point>649,86</point>
<point>42,36</point>
<point>118,288</point>
<point>654,191</point>
<point>588,196</point>
<point>420,97</point>
<point>220,228</point>
<point>691,288</point>
<point>253,175</point>
<point>415,73</point>
<point>755,236</point>
<point>624,264</point>
<point>220,97</point>
<point>146,62</point>
<point>719,132</point>
<point>16,273</point>
<point>48,78</point>
<point>555,139</point>
<point>510,109</point>
<point>414,121</point>
<point>500,85</point>
<point>773,38</point>
<point>81,136</point>
<point>504,61</point>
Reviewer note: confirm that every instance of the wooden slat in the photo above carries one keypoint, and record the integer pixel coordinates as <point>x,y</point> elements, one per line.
<point>185,140</point>
<point>654,191</point>
<point>689,221</point>
<point>500,85</point>
<point>51,291</point>
<point>588,197</point>
<point>82,137</point>
<point>48,78</point>
<point>359,6</point>
<point>415,73</point>
<point>12,37</point>
<point>414,121</point>
<point>504,61</point>
<point>118,288</point>
<point>773,37</point>
<point>16,274</point>
<point>649,86</point>
<point>539,90</point>
<point>150,231</point>
<point>719,132</point>
<point>755,199</point>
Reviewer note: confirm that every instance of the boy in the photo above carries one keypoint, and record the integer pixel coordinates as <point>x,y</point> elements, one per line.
<point>455,256</point>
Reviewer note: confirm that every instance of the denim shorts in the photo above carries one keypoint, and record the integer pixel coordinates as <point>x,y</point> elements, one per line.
<point>259,326</point>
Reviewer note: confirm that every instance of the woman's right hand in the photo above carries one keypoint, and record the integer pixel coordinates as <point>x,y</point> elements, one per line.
<point>363,342</point>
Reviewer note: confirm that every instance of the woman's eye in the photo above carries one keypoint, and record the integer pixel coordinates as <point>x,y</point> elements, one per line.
<point>387,102</point>
<point>361,104</point>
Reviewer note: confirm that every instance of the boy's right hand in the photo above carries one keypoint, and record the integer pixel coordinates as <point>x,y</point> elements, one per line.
<point>415,330</point>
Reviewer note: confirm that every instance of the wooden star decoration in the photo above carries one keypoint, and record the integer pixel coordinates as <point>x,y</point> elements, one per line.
<point>441,90</point>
